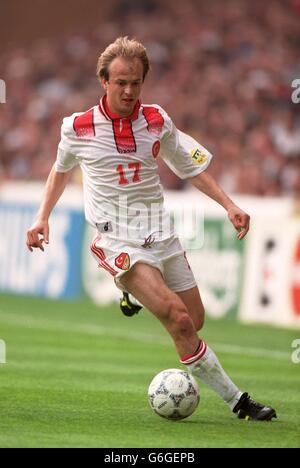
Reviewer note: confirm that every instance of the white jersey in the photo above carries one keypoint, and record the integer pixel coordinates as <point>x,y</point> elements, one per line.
<point>118,157</point>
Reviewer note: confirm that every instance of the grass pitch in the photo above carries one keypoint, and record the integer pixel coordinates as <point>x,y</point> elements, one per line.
<point>77,376</point>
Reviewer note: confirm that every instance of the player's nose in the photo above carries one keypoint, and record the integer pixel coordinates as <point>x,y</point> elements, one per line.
<point>128,90</point>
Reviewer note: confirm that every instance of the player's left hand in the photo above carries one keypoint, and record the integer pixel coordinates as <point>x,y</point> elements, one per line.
<point>240,220</point>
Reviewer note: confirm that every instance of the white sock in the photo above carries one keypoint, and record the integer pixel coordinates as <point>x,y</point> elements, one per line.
<point>205,365</point>
<point>134,301</point>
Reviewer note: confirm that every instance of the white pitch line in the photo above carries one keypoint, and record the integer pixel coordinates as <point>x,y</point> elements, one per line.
<point>123,333</point>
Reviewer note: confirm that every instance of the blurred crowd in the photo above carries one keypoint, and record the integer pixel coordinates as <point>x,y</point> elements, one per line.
<point>222,70</point>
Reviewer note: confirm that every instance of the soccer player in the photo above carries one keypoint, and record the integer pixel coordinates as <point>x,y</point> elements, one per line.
<point>116,143</point>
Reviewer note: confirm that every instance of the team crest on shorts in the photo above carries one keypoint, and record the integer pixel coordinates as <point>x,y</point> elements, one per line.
<point>123,261</point>
<point>198,156</point>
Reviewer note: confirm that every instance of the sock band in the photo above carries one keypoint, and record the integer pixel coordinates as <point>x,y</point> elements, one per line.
<point>200,351</point>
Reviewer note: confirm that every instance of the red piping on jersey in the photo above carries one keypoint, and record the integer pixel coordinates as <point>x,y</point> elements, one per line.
<point>84,124</point>
<point>124,137</point>
<point>109,115</point>
<point>154,119</point>
<point>122,126</point>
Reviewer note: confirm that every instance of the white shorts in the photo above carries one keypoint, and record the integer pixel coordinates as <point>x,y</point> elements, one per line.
<point>167,256</point>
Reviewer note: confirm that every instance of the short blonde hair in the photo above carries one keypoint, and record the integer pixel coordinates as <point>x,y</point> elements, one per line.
<point>122,47</point>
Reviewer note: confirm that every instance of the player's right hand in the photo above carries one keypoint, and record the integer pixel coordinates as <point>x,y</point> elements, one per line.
<point>34,241</point>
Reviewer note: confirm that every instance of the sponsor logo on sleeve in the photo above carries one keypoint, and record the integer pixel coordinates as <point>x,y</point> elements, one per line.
<point>198,156</point>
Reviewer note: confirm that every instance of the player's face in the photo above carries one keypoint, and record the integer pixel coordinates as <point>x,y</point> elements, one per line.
<point>123,88</point>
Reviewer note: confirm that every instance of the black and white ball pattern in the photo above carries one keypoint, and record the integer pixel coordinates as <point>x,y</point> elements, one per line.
<point>174,394</point>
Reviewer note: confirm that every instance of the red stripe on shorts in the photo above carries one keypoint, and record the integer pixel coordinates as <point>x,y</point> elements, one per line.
<point>101,257</point>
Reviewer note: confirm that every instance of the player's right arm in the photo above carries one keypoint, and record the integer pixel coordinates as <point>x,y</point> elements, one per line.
<point>38,233</point>
<point>55,186</point>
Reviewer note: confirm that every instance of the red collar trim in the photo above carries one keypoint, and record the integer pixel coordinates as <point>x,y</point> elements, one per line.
<point>104,109</point>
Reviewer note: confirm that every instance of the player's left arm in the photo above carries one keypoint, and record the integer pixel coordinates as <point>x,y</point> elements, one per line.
<point>188,159</point>
<point>208,185</point>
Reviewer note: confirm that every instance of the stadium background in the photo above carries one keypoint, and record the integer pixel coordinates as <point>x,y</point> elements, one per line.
<point>224,72</point>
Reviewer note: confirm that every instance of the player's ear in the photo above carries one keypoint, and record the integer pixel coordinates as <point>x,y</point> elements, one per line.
<point>104,83</point>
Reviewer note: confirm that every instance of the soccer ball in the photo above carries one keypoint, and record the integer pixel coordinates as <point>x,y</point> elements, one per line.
<point>173,394</point>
